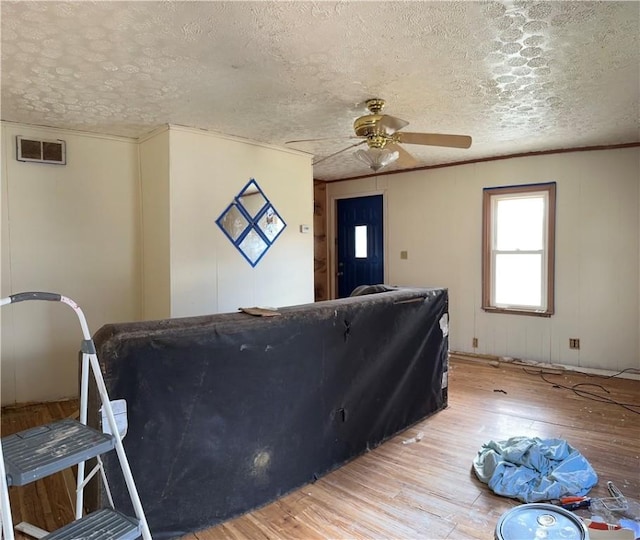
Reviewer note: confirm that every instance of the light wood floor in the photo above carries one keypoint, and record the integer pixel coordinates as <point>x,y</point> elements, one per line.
<point>425,489</point>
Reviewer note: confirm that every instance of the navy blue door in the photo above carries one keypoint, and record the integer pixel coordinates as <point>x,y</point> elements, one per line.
<point>360,243</point>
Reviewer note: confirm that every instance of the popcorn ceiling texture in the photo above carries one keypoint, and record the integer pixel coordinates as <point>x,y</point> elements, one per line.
<point>517,76</point>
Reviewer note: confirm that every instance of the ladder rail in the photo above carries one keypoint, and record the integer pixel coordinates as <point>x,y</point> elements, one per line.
<point>6,531</point>
<point>89,361</point>
<point>5,504</point>
<point>84,392</point>
<point>122,456</point>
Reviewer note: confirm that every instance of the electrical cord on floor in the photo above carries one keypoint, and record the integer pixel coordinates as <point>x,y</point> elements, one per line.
<point>628,370</point>
<point>577,390</point>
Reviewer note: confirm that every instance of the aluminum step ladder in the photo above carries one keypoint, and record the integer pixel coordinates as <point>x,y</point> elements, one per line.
<point>44,450</point>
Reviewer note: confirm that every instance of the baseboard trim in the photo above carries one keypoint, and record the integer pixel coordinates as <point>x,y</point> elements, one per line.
<point>507,361</point>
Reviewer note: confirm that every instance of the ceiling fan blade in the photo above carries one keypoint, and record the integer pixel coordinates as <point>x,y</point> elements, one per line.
<point>435,139</point>
<point>391,124</point>
<point>339,152</point>
<point>405,159</point>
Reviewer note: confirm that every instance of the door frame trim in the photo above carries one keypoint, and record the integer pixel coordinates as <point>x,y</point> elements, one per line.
<point>333,227</point>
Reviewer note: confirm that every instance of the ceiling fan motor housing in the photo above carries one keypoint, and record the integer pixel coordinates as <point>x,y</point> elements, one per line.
<point>367,126</point>
<point>372,126</point>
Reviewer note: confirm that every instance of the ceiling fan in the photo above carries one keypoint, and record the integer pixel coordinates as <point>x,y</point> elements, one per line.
<point>381,133</point>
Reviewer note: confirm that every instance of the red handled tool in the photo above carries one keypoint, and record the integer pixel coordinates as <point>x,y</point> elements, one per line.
<point>573,503</point>
<point>616,503</point>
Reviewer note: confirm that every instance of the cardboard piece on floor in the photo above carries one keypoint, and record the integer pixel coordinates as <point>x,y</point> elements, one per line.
<point>260,311</point>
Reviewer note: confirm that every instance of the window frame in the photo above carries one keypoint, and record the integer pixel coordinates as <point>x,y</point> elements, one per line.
<point>489,195</point>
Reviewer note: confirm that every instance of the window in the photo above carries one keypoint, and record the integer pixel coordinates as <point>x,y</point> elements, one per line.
<point>518,249</point>
<point>361,241</point>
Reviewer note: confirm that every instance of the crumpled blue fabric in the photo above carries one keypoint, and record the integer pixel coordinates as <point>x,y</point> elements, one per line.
<point>533,469</point>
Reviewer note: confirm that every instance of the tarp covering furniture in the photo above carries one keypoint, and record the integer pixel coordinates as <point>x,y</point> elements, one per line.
<point>228,412</point>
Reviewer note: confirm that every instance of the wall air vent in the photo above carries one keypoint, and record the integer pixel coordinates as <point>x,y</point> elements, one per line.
<point>40,151</point>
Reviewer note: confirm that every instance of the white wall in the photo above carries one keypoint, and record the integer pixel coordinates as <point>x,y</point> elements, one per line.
<point>208,274</point>
<point>156,248</point>
<point>71,229</point>
<point>436,216</point>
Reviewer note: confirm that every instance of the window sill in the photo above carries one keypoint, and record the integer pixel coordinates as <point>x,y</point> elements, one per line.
<point>508,311</point>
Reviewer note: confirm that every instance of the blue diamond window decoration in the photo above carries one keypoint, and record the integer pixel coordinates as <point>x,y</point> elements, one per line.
<point>251,223</point>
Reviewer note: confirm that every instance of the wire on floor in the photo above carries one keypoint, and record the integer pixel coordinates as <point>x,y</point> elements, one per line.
<point>593,396</point>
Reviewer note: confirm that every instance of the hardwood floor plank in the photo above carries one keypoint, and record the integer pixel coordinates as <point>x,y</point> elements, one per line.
<point>425,489</point>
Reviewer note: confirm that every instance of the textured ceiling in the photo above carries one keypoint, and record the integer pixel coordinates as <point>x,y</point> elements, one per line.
<point>517,76</point>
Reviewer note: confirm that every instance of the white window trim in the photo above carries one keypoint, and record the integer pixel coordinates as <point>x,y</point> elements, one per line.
<point>491,196</point>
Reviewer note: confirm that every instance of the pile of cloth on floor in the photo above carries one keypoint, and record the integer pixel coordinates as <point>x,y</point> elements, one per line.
<point>533,469</point>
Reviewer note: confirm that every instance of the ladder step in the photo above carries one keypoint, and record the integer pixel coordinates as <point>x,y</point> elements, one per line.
<point>103,524</point>
<point>44,450</point>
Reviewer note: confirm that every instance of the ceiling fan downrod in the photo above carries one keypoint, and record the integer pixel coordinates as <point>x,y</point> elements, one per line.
<point>375,105</point>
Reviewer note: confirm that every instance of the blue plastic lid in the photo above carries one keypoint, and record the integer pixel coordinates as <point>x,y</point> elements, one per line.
<point>540,521</point>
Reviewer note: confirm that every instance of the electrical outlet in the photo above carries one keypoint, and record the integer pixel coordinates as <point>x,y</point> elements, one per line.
<point>574,343</point>
<point>474,343</point>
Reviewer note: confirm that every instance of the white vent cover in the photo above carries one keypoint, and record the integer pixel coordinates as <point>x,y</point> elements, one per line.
<point>41,151</point>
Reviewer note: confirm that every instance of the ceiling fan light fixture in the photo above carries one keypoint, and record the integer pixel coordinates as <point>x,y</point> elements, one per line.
<point>376,158</point>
